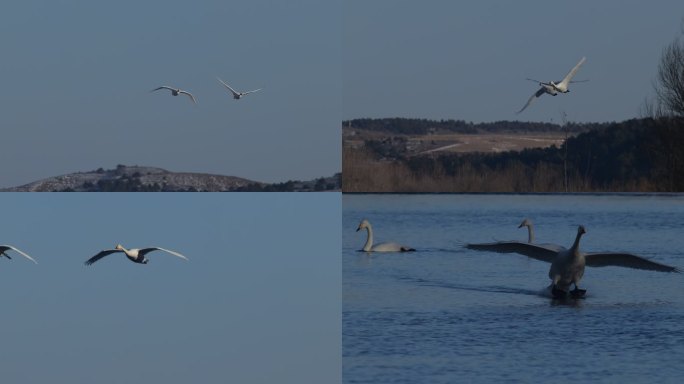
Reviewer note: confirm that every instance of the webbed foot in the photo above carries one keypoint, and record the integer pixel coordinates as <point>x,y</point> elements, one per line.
<point>577,293</point>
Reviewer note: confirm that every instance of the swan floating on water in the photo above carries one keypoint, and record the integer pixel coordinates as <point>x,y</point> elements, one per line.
<point>176,92</point>
<point>237,95</point>
<point>554,88</point>
<point>567,265</point>
<point>382,247</point>
<point>135,255</point>
<point>5,248</point>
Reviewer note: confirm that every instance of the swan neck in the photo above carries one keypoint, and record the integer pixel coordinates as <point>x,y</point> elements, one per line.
<point>369,239</point>
<point>530,234</point>
<point>575,245</point>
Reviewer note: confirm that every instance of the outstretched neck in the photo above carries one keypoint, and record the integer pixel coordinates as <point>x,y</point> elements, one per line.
<point>530,234</point>
<point>369,240</point>
<point>575,245</point>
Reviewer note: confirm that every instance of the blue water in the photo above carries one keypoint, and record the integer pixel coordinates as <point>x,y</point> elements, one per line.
<point>445,314</point>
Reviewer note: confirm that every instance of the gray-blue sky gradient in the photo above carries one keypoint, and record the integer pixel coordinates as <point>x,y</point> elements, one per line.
<point>258,301</point>
<point>469,59</point>
<point>76,77</point>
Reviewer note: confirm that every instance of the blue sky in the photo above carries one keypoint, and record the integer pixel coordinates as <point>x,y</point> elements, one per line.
<point>76,77</point>
<point>258,301</point>
<point>469,59</point>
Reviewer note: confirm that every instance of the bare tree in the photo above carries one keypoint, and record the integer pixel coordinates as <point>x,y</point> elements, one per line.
<point>669,84</point>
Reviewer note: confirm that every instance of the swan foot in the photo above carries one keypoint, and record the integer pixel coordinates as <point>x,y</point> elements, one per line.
<point>558,293</point>
<point>578,293</point>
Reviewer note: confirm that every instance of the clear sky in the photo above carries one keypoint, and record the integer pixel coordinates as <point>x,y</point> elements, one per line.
<point>257,302</point>
<point>468,60</point>
<point>76,77</point>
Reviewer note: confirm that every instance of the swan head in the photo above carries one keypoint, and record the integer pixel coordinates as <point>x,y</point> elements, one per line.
<point>525,223</point>
<point>363,224</point>
<point>581,230</point>
<point>119,247</point>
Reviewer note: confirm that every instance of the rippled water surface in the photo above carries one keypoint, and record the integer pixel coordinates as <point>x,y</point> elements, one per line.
<point>445,314</point>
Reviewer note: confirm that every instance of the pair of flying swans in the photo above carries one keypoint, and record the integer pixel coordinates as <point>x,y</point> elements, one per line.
<point>5,248</point>
<point>554,88</point>
<point>567,265</point>
<point>135,255</point>
<point>177,91</point>
<point>382,247</point>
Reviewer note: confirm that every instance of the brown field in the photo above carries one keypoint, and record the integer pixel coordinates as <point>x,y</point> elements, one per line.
<point>460,143</point>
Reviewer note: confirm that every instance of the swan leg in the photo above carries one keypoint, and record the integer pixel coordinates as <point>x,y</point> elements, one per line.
<point>556,292</point>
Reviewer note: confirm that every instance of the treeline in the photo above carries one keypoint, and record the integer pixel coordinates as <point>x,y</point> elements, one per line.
<point>640,155</point>
<point>406,126</point>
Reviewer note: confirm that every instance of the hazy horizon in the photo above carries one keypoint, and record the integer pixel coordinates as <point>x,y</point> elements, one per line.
<point>77,78</point>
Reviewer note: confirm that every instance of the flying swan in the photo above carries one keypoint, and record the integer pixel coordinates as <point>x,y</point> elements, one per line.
<point>382,247</point>
<point>237,95</point>
<point>176,92</point>
<point>5,248</point>
<point>134,255</point>
<point>553,88</point>
<point>567,265</point>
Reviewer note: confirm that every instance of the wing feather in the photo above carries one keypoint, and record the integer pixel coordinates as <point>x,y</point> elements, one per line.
<point>100,255</point>
<point>536,251</point>
<point>627,260</point>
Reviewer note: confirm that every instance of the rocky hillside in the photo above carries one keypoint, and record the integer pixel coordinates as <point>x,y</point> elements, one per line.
<point>150,179</point>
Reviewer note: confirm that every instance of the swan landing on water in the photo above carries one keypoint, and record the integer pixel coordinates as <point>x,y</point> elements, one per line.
<point>382,247</point>
<point>567,265</point>
<point>554,88</point>
<point>134,255</point>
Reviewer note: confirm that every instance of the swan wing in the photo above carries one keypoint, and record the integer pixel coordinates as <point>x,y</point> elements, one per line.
<point>234,92</point>
<point>256,90</point>
<point>627,260</point>
<point>189,95</point>
<point>145,251</point>
<point>540,92</point>
<point>163,87</point>
<point>535,251</point>
<point>3,248</point>
<point>573,71</point>
<point>100,255</point>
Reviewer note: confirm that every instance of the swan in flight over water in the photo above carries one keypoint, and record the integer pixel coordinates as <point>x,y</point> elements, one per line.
<point>134,255</point>
<point>554,88</point>
<point>382,247</point>
<point>176,92</point>
<point>5,248</point>
<point>567,265</point>
<point>237,95</point>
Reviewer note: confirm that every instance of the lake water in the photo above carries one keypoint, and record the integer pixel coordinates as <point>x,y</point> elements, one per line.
<point>445,314</point>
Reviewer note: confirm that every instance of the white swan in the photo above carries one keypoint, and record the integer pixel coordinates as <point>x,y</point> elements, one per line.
<point>567,265</point>
<point>382,247</point>
<point>553,88</point>
<point>134,255</point>
<point>237,95</point>
<point>176,92</point>
<point>5,248</point>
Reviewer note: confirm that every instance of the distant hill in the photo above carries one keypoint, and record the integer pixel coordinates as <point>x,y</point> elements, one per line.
<point>638,155</point>
<point>150,179</point>
<point>407,126</point>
